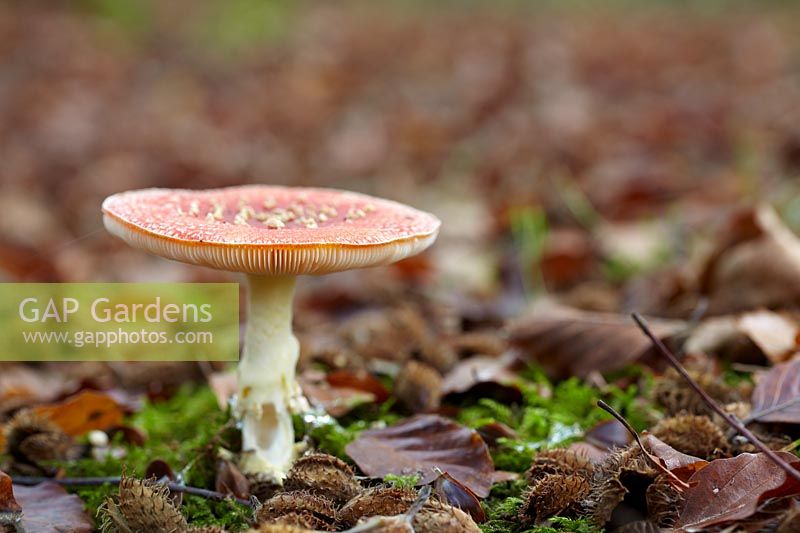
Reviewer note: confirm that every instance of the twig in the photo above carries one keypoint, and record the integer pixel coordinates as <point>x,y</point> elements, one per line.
<point>769,410</point>
<point>621,419</point>
<point>729,418</point>
<point>114,480</point>
<point>607,408</point>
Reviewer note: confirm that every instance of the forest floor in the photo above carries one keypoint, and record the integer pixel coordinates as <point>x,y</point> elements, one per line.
<point>587,164</point>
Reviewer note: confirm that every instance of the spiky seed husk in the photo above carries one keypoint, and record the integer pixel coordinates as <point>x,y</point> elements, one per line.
<point>324,475</point>
<point>305,520</point>
<point>418,387</point>
<point>262,486</point>
<point>385,524</point>
<point>49,447</point>
<point>142,506</point>
<point>664,502</point>
<point>607,487</point>
<point>552,494</point>
<point>672,392</point>
<point>559,461</point>
<point>279,528</point>
<point>31,438</point>
<point>377,501</point>
<point>298,505</point>
<point>438,517</point>
<point>694,435</point>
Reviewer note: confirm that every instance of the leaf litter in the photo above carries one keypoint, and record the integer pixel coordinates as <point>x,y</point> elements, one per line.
<point>435,372</point>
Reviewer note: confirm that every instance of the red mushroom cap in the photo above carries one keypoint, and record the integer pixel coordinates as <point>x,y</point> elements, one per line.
<point>270,230</point>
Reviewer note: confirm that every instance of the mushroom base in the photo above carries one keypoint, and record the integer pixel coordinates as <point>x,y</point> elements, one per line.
<point>268,392</point>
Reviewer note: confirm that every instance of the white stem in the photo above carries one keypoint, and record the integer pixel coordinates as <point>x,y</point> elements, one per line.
<point>267,377</point>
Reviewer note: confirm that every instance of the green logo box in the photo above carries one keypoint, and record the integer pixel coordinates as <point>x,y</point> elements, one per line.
<point>119,322</point>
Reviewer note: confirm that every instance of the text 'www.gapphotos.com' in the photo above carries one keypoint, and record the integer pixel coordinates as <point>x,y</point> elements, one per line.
<point>79,339</point>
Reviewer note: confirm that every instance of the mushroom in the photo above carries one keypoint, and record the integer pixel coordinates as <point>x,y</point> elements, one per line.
<point>271,234</point>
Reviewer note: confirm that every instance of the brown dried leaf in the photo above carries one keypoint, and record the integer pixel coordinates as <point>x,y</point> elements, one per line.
<point>485,376</point>
<point>84,412</point>
<point>594,453</point>
<point>160,470</point>
<point>493,431</point>
<point>336,401</point>
<point>738,278</point>
<point>230,480</point>
<point>575,343</point>
<point>48,507</point>
<point>130,434</point>
<point>609,434</point>
<point>8,504</point>
<point>423,444</point>
<point>23,386</point>
<point>452,491</point>
<point>779,385</point>
<point>732,489</point>
<point>682,465</point>
<point>776,335</point>
<point>358,380</point>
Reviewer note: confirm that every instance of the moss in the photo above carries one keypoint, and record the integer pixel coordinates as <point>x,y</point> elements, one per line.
<point>557,419</point>
<point>402,482</point>
<point>547,421</point>
<point>332,436</point>
<point>503,505</point>
<point>187,430</point>
<point>184,431</point>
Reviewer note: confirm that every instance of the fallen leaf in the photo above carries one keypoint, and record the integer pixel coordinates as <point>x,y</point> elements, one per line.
<point>230,480</point>
<point>84,412</point>
<point>455,493</point>
<point>608,435</point>
<point>732,489</point>
<point>423,444</point>
<point>23,386</point>
<point>737,277</point>
<point>575,343</point>
<point>493,431</point>
<point>358,380</point>
<point>336,401</point>
<point>484,376</point>
<point>160,471</point>
<point>48,508</point>
<point>774,334</point>
<point>778,386</point>
<point>594,453</point>
<point>640,526</point>
<point>682,465</point>
<point>8,504</point>
<point>130,434</point>
<point>569,256</point>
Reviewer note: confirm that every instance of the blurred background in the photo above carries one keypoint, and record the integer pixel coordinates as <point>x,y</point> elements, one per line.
<point>564,145</point>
